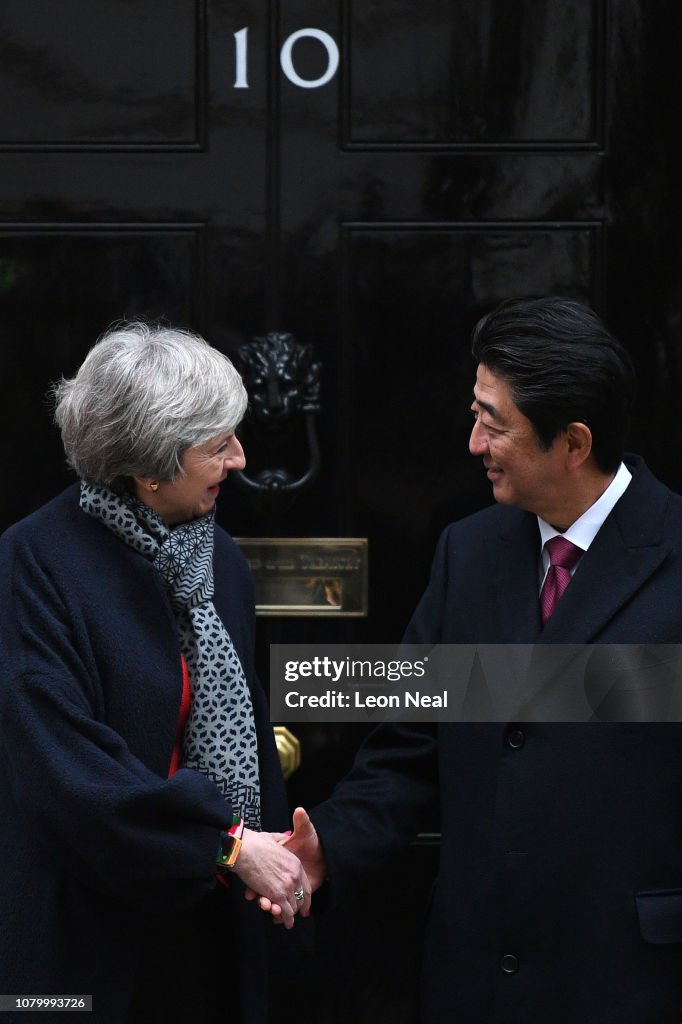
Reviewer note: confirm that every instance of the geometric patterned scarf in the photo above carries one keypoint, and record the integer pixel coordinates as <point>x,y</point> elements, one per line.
<point>220,735</point>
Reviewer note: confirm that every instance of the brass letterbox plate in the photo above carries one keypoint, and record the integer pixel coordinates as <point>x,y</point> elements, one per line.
<point>308,576</point>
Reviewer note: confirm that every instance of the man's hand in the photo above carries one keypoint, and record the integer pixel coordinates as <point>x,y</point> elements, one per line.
<point>304,842</point>
<point>267,868</point>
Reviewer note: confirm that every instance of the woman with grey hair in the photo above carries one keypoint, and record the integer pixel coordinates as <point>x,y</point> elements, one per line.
<point>138,759</point>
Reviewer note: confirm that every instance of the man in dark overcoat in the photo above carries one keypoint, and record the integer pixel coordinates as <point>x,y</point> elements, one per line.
<point>559,892</point>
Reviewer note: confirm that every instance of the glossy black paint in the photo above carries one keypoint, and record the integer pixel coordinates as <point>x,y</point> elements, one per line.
<point>467,150</point>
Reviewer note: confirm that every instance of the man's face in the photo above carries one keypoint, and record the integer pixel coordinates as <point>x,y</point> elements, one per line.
<point>521,472</point>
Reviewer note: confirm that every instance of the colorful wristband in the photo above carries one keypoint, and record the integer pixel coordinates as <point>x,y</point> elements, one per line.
<point>230,844</point>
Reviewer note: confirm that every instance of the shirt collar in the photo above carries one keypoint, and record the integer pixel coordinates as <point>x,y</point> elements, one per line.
<point>583,531</point>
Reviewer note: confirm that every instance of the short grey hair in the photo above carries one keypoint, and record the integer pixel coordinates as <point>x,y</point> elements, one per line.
<point>144,395</point>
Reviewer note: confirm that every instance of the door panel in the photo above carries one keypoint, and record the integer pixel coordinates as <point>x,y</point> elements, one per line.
<point>122,77</point>
<point>60,285</point>
<point>474,73</point>
<point>409,431</point>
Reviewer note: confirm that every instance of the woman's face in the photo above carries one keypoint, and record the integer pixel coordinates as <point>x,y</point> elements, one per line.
<point>192,493</point>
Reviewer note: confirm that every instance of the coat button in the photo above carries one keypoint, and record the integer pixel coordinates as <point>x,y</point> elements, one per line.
<point>516,738</point>
<point>509,963</point>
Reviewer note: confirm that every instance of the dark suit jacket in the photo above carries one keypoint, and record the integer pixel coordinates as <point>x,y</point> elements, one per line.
<point>559,895</point>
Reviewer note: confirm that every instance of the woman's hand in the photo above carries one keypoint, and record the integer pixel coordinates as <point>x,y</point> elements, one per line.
<point>266,867</point>
<point>305,843</point>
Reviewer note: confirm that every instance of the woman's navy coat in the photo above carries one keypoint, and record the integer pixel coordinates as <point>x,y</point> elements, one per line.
<point>97,840</point>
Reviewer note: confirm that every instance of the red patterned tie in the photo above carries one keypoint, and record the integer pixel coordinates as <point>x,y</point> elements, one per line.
<point>562,557</point>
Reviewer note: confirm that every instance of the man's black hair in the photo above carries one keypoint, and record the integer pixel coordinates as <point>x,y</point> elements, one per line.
<point>562,365</point>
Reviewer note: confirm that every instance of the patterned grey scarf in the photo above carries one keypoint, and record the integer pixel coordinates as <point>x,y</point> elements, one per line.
<point>220,735</point>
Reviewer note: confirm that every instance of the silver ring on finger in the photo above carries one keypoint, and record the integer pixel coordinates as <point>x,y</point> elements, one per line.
<point>299,896</point>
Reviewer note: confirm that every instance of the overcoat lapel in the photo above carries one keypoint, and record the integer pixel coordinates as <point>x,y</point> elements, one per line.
<point>627,550</point>
<point>515,579</point>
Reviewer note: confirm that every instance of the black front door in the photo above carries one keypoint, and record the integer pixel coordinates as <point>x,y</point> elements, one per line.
<point>371,178</point>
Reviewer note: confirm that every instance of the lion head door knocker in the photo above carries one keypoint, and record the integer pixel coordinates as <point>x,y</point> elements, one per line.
<point>283,383</point>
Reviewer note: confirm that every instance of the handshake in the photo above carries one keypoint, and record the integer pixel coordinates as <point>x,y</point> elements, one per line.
<point>282,869</point>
